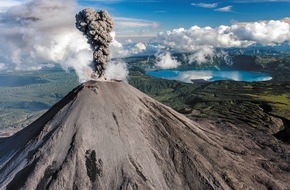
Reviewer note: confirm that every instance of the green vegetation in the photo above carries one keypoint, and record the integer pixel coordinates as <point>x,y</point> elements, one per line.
<point>172,93</point>
<point>280,104</point>
<point>22,104</point>
<point>244,104</point>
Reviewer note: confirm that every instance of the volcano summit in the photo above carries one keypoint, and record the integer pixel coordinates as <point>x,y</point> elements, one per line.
<point>109,135</point>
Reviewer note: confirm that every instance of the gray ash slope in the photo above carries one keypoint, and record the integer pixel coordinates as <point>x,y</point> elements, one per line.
<point>109,135</point>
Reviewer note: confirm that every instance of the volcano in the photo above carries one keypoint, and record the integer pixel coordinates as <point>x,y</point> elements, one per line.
<point>109,135</point>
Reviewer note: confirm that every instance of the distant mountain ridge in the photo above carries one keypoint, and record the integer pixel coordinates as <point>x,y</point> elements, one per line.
<point>276,64</point>
<point>109,135</point>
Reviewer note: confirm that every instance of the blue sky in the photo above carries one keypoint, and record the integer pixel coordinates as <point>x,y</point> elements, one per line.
<point>169,14</point>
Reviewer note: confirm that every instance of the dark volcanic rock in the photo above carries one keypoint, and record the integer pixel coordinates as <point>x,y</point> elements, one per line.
<point>108,135</point>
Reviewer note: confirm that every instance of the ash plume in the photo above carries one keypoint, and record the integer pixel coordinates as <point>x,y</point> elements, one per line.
<point>96,26</point>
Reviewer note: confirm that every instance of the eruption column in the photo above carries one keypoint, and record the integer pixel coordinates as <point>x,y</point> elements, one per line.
<point>96,26</point>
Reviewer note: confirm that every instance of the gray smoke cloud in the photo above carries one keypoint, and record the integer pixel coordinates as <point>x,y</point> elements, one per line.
<point>96,26</point>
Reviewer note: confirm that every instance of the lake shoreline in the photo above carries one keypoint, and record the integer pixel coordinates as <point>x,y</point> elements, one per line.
<point>209,75</point>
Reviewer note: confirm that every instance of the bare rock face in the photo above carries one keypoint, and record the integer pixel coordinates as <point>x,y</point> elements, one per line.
<point>108,135</point>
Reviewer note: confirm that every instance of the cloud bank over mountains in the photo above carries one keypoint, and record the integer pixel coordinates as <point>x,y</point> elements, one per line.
<point>32,37</point>
<point>202,41</point>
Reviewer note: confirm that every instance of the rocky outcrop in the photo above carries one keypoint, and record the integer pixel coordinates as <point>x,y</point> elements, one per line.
<point>108,135</point>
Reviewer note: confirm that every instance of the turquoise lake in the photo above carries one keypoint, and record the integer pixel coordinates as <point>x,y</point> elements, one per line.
<point>209,75</point>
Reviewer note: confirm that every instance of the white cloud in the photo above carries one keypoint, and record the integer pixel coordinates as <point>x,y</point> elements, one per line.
<point>165,61</point>
<point>140,46</point>
<point>205,5</point>
<point>40,32</point>
<point>260,1</point>
<point>2,66</point>
<point>118,50</point>
<point>4,6</point>
<point>202,41</point>
<point>202,55</point>
<point>263,32</point>
<point>160,11</point>
<point>132,27</point>
<point>197,38</point>
<point>133,22</point>
<point>225,9</point>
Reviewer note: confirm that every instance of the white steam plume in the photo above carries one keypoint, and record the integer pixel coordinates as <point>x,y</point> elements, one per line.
<point>117,70</point>
<point>43,32</point>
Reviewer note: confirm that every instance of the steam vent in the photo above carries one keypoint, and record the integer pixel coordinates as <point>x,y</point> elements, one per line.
<point>109,135</point>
